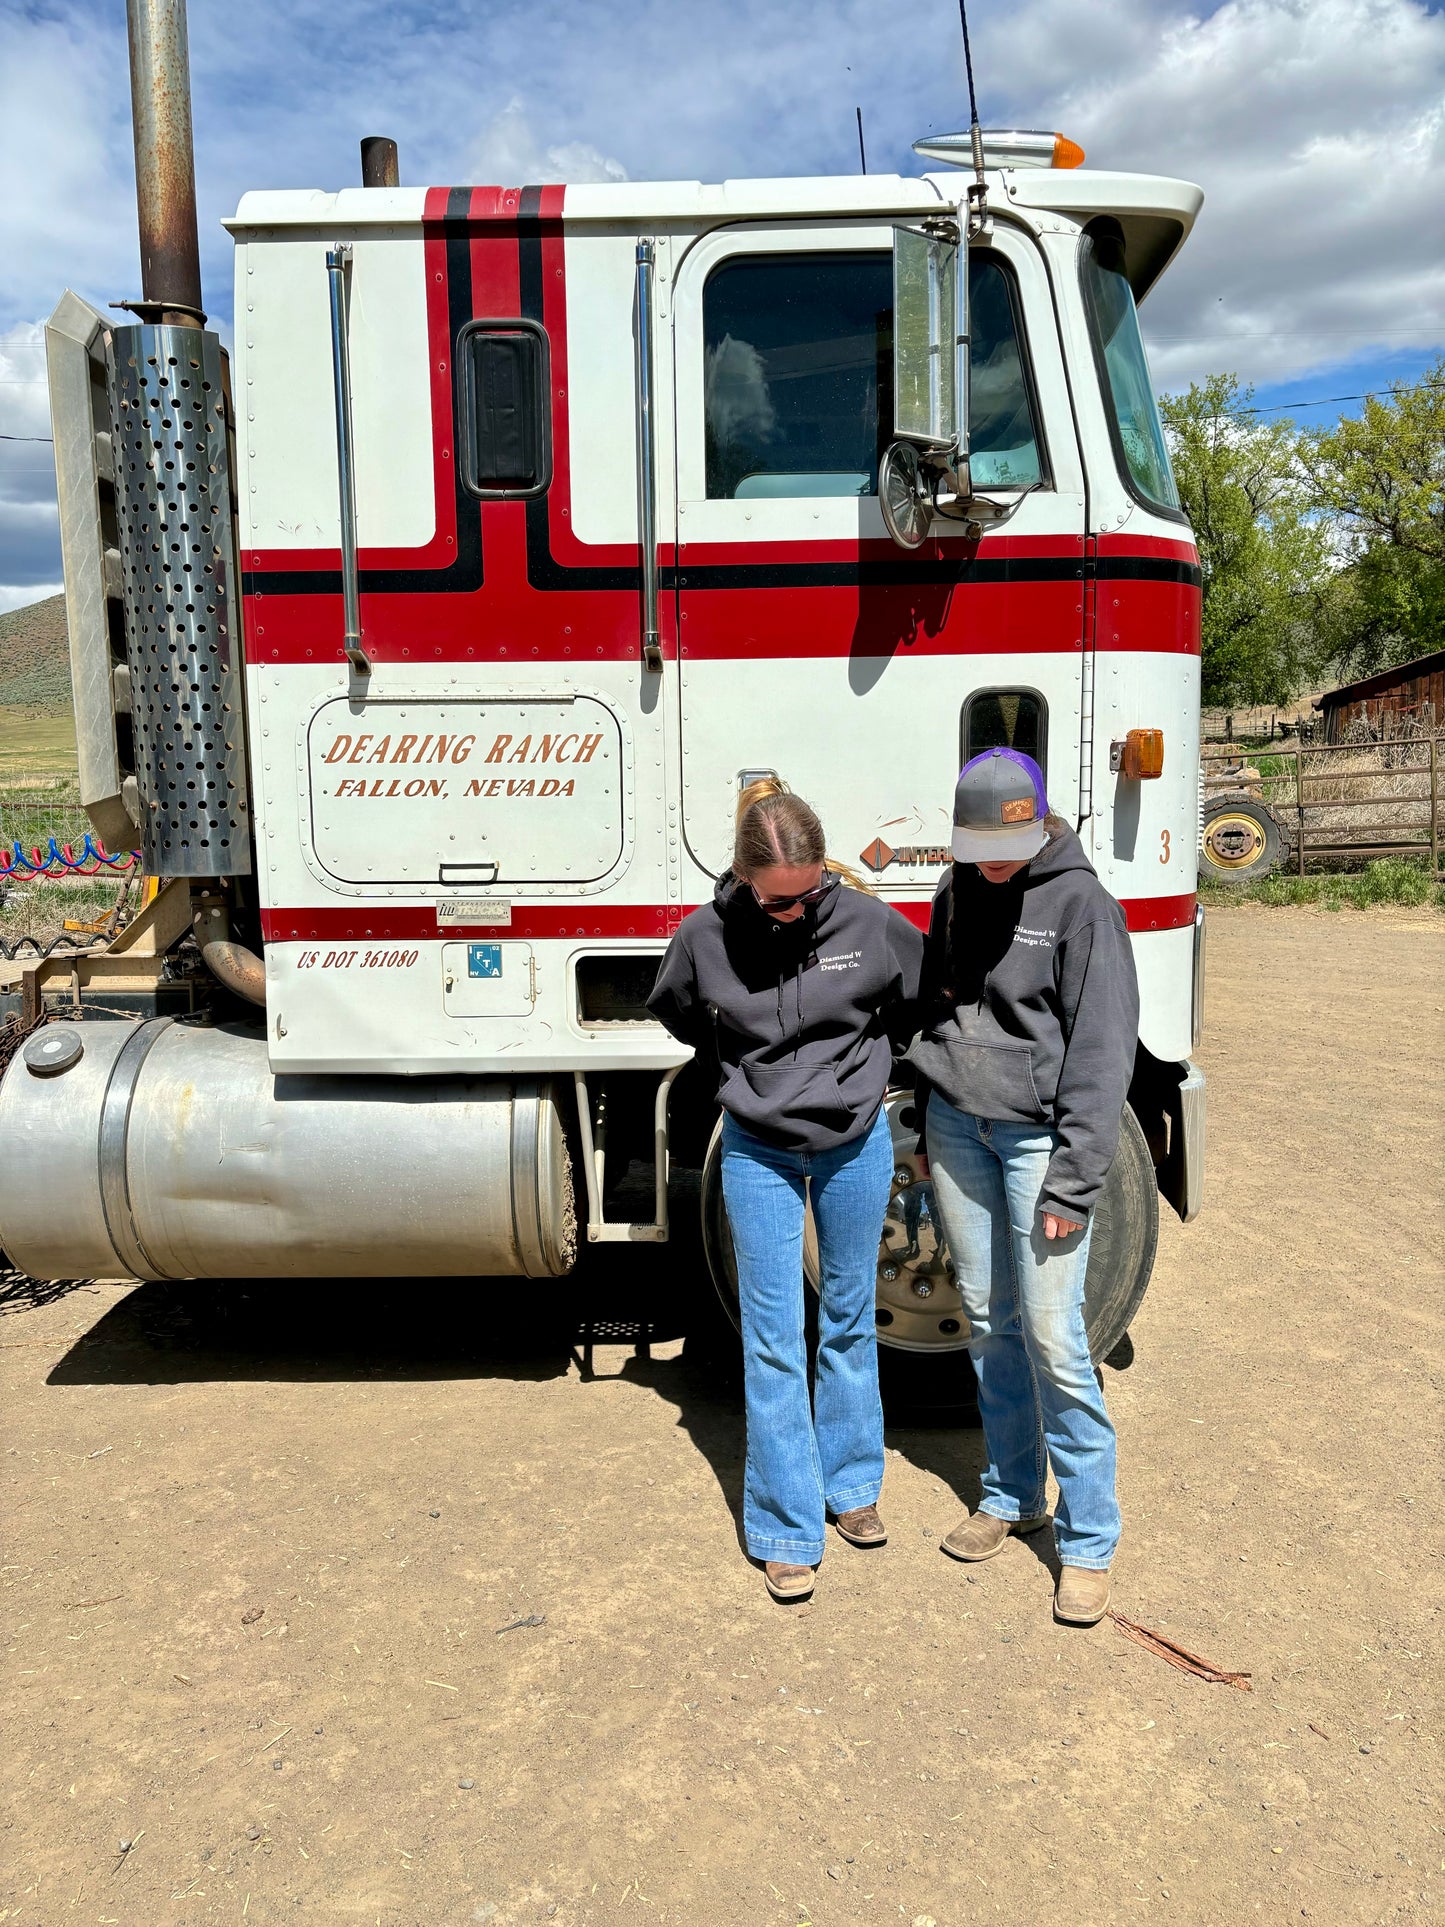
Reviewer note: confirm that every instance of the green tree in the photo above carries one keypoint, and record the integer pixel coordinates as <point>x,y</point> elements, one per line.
<point>1264,551</point>
<point>1381,476</point>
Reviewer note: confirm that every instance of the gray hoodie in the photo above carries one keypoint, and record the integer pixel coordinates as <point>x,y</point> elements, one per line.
<point>802,1016</point>
<point>1032,1014</point>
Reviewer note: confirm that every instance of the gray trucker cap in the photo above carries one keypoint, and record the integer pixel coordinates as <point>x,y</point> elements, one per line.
<point>999,808</point>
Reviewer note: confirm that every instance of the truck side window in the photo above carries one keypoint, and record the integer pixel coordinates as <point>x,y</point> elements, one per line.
<point>1003,442</point>
<point>506,432</point>
<point>1139,445</point>
<point>1005,719</point>
<point>797,381</point>
<point>796,348</point>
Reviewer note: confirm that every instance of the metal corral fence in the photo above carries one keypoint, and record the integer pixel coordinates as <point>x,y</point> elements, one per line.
<point>1339,802</point>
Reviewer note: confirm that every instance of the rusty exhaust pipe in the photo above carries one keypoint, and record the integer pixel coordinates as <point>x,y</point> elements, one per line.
<point>379,164</point>
<point>238,968</point>
<point>165,169</point>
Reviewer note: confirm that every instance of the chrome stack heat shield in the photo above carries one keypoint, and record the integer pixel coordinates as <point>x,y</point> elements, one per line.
<point>182,599</point>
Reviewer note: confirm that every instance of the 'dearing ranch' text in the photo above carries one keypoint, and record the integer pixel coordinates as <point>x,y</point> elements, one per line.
<point>570,749</point>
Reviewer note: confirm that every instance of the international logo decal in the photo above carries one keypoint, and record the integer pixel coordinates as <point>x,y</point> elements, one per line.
<point>879,855</point>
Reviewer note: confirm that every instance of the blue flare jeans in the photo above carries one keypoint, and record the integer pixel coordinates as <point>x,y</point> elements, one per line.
<point>807,1458</point>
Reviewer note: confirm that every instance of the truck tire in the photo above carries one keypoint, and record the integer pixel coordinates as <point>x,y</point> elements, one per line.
<point>1242,839</point>
<point>924,1370</point>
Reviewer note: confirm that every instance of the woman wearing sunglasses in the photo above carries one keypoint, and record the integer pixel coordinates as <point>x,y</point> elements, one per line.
<point>800,986</point>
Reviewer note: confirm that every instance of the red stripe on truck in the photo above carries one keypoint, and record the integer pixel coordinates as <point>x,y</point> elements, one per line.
<point>375,923</point>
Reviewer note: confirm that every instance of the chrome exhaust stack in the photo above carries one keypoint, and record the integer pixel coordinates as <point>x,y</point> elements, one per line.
<point>170,415</point>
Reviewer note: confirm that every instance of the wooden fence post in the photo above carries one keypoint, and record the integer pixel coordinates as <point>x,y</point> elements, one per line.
<point>1435,805</point>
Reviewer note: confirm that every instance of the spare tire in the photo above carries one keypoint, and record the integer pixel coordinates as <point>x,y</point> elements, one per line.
<point>1242,839</point>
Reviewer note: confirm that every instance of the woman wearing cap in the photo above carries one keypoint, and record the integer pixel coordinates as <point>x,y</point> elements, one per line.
<point>799,987</point>
<point>1031,1013</point>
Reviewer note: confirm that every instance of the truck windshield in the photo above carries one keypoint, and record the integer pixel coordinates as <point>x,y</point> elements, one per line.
<point>1128,391</point>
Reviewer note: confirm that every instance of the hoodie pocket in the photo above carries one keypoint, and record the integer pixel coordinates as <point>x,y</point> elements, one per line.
<point>792,1098</point>
<point>987,1080</point>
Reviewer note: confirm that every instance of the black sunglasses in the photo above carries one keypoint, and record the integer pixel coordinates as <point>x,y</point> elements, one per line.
<point>814,895</point>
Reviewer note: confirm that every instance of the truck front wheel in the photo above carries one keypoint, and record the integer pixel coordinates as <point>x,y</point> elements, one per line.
<point>917,1305</point>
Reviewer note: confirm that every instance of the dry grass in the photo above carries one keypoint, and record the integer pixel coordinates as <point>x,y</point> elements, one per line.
<point>36,743</point>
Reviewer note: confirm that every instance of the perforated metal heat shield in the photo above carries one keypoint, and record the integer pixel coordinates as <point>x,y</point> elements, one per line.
<point>182,600</point>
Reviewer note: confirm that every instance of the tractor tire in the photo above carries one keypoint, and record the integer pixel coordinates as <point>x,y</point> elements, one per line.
<point>1242,840</point>
<point>922,1332</point>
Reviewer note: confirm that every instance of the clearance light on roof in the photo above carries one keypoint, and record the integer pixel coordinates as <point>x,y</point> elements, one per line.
<point>1139,756</point>
<point>1003,147</point>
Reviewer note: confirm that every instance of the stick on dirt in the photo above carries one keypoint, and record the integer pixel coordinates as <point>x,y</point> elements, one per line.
<point>1180,1656</point>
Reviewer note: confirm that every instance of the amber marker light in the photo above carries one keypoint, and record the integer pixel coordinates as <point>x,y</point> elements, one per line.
<point>1067,153</point>
<point>1142,755</point>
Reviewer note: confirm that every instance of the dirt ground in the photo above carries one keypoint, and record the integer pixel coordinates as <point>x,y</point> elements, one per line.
<point>264,1546</point>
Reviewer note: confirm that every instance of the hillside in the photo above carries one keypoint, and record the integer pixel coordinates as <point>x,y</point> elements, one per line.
<point>34,656</point>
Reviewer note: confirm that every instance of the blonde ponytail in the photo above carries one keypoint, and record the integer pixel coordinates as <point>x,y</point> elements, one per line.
<point>773,826</point>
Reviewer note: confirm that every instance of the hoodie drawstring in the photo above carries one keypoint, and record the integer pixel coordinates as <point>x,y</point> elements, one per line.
<point>798,990</point>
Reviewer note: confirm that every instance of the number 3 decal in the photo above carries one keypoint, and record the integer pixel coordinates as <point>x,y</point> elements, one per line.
<point>1164,840</point>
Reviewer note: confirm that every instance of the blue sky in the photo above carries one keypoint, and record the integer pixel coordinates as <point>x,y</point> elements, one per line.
<point>1317,128</point>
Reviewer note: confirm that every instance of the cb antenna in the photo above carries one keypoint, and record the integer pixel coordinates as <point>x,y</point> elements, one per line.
<point>978,186</point>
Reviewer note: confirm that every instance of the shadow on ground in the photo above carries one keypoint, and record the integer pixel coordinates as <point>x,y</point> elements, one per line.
<point>635,1297</point>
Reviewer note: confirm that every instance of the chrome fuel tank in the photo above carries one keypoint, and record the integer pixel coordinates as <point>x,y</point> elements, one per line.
<point>169,1149</point>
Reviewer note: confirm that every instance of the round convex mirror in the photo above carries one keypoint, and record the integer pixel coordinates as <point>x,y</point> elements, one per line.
<point>904,495</point>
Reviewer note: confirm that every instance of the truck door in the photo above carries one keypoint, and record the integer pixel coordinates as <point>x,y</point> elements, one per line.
<point>809,644</point>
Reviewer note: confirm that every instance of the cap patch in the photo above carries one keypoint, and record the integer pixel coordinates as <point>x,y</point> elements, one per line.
<point>1018,809</point>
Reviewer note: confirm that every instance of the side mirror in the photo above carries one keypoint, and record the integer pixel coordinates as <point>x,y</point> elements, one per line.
<point>930,339</point>
<point>924,470</point>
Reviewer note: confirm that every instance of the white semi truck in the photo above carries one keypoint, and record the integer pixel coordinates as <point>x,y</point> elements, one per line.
<point>423,643</point>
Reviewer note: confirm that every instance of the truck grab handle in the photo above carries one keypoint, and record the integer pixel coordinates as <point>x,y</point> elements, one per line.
<point>338,261</point>
<point>647,464</point>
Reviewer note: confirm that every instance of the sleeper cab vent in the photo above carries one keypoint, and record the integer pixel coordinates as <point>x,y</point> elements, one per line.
<point>506,425</point>
<point>613,988</point>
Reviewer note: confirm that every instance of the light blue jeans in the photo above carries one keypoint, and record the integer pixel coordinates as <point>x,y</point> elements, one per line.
<point>806,1460</point>
<point>1023,1296</point>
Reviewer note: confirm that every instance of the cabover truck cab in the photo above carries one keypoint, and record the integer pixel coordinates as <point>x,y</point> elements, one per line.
<point>556,518</point>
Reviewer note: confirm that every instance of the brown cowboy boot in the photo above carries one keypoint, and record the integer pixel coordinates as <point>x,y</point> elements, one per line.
<point>787,1582</point>
<point>862,1526</point>
<point>981,1535</point>
<point>1082,1597</point>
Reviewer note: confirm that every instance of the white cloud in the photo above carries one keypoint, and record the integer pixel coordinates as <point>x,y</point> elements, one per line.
<point>1316,127</point>
<point>67,202</point>
<point>29,522</point>
<point>20,596</point>
<point>509,152</point>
